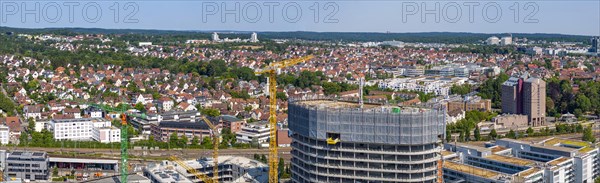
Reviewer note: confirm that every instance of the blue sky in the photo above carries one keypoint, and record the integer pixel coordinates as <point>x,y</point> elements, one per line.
<point>581,17</point>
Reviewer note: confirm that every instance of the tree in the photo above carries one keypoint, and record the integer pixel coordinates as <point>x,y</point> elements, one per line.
<point>31,124</point>
<point>140,107</point>
<point>511,134</point>
<point>183,141</point>
<point>281,166</point>
<point>467,135</point>
<point>529,131</point>
<point>174,139</point>
<point>588,135</point>
<point>211,112</point>
<point>477,134</point>
<point>55,171</point>
<point>195,141</point>
<point>493,134</point>
<point>207,142</point>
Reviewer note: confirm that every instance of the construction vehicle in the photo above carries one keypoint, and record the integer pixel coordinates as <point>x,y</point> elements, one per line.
<point>271,71</point>
<point>216,139</point>
<point>191,170</point>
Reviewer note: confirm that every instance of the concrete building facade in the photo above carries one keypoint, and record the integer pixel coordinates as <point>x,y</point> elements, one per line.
<point>27,165</point>
<point>338,141</point>
<point>534,101</point>
<point>527,96</point>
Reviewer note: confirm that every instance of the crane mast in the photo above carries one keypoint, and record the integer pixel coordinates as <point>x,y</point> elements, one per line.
<point>271,71</point>
<point>124,142</point>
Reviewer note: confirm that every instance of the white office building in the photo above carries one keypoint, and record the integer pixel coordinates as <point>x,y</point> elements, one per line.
<point>492,40</point>
<point>254,37</point>
<point>106,134</point>
<point>250,132</point>
<point>586,164</point>
<point>506,41</point>
<point>77,129</point>
<point>215,37</point>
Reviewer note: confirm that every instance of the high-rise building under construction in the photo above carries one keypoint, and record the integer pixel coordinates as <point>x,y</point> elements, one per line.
<point>342,141</point>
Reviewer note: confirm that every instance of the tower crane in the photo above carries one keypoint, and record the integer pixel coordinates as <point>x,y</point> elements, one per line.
<point>271,71</point>
<point>215,138</point>
<point>124,170</point>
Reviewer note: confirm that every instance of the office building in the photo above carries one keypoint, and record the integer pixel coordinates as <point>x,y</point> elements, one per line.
<point>461,72</point>
<point>534,101</point>
<point>254,37</point>
<point>340,141</point>
<point>254,133</point>
<point>527,96</point>
<point>164,130</point>
<point>27,165</point>
<point>106,134</point>
<point>492,40</point>
<point>81,129</point>
<point>414,71</point>
<point>231,169</point>
<point>215,37</point>
<point>144,124</point>
<point>585,163</point>
<point>595,45</point>
<point>496,163</point>
<point>470,103</point>
<point>506,40</point>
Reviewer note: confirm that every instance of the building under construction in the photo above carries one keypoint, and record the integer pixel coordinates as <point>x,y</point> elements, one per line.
<point>342,141</point>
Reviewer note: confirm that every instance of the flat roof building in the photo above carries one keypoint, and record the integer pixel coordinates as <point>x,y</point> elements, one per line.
<point>27,165</point>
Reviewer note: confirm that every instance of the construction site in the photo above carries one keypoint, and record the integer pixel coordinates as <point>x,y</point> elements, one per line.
<point>348,141</point>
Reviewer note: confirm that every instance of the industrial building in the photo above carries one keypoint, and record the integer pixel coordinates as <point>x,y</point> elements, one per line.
<point>344,141</point>
<point>231,169</point>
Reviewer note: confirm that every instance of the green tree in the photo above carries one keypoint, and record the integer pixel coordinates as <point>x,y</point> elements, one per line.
<point>493,134</point>
<point>55,171</point>
<point>529,132</point>
<point>174,140</point>
<point>588,135</point>
<point>183,141</point>
<point>30,124</point>
<point>477,134</point>
<point>280,166</point>
<point>140,107</point>
<point>207,143</point>
<point>195,141</point>
<point>212,112</point>
<point>511,134</point>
